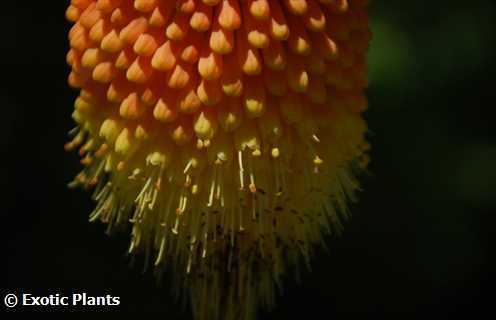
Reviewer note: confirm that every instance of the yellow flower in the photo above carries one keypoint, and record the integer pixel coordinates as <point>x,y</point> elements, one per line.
<point>227,132</point>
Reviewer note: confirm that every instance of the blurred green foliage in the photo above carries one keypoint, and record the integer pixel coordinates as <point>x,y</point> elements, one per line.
<point>432,95</point>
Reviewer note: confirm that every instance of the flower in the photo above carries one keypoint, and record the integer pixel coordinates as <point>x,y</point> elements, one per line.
<point>226,132</point>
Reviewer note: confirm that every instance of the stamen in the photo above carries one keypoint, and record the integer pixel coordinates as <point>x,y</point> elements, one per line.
<point>103,192</point>
<point>143,190</point>
<point>219,184</point>
<point>205,236</point>
<point>241,228</point>
<point>73,131</point>
<point>175,230</point>
<point>188,267</point>
<point>252,186</point>
<point>160,252</point>
<point>131,247</point>
<point>74,143</point>
<point>94,178</point>
<point>158,184</point>
<point>212,189</point>
<point>253,207</point>
<point>168,209</point>
<point>241,170</point>
<point>188,166</point>
<point>151,205</point>
<point>86,147</point>
<point>187,182</point>
<point>180,205</point>
<point>185,203</point>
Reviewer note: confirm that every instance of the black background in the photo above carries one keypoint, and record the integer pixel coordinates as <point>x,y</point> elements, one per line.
<point>420,238</point>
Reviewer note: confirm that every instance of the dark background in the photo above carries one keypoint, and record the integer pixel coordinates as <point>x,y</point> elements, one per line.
<point>420,238</point>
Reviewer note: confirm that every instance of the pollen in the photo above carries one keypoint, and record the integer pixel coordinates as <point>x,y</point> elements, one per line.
<point>227,134</point>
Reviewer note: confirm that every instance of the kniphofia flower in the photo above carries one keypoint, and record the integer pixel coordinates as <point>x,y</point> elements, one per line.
<point>226,133</point>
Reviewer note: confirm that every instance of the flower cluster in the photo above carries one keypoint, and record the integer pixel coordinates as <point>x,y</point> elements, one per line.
<point>227,133</point>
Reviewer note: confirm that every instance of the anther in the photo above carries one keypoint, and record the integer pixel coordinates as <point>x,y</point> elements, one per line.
<point>275,153</point>
<point>318,161</point>
<point>120,166</point>
<point>194,189</point>
<point>135,174</point>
